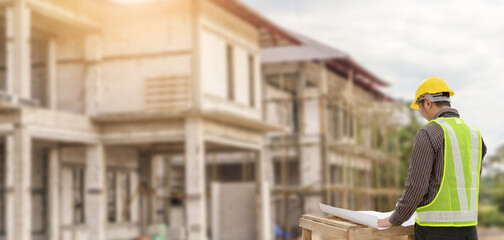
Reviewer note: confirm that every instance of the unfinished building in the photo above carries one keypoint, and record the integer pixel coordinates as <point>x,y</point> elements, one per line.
<point>340,147</point>
<point>115,117</point>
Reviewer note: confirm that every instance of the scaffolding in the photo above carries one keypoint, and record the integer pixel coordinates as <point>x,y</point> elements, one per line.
<point>360,133</point>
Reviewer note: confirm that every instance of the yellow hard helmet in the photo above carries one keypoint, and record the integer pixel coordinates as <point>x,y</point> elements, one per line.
<point>431,85</point>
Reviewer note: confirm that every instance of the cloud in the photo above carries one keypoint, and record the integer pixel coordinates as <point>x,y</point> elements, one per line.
<point>405,41</point>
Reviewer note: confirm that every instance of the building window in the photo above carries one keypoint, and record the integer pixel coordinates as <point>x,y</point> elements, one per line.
<point>336,122</point>
<point>127,192</point>
<point>342,122</point>
<point>349,122</point>
<point>78,195</point>
<point>118,195</point>
<point>39,176</point>
<point>111,196</point>
<point>251,65</point>
<point>230,71</point>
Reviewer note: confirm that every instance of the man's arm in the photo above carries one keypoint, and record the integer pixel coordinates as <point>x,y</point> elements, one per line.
<point>417,184</point>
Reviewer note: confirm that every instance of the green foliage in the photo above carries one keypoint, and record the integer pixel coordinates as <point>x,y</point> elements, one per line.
<point>491,199</point>
<point>406,138</point>
<point>488,216</point>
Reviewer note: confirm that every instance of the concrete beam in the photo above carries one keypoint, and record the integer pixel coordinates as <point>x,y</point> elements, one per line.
<point>54,125</point>
<point>64,135</point>
<point>58,119</point>
<point>231,142</point>
<point>195,180</point>
<point>95,205</point>
<point>6,128</point>
<point>59,14</point>
<point>139,137</point>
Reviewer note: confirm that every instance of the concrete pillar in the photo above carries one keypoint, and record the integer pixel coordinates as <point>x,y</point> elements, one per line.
<point>311,176</point>
<point>195,208</point>
<point>9,186</point>
<point>18,76</point>
<point>135,207</point>
<point>93,57</point>
<point>155,160</point>
<point>54,204</point>
<point>95,203</point>
<point>263,196</point>
<point>196,91</point>
<point>18,184</point>
<point>51,66</point>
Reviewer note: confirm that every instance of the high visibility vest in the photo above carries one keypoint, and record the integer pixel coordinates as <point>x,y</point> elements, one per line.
<point>456,203</point>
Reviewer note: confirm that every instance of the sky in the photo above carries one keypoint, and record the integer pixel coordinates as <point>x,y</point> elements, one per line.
<point>404,42</point>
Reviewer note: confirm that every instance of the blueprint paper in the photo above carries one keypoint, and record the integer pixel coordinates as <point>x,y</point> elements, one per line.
<point>368,218</point>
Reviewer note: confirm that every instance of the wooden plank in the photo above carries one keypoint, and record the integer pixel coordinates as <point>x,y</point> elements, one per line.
<point>340,224</point>
<point>370,233</point>
<point>306,234</point>
<point>323,228</point>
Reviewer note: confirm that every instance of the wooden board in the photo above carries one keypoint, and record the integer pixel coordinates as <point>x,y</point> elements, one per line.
<point>339,228</point>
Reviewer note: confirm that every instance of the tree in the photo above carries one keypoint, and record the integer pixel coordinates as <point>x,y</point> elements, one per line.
<point>406,138</point>
<point>491,190</point>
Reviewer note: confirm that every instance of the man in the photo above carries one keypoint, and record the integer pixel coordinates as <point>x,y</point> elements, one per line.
<point>445,167</point>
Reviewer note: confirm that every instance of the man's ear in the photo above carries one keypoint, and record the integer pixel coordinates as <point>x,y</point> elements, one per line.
<point>427,103</point>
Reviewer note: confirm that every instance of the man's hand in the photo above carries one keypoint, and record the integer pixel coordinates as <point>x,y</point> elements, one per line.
<point>383,223</point>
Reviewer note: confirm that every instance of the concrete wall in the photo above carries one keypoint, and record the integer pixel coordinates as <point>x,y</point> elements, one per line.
<point>70,74</point>
<point>220,29</point>
<point>311,116</point>
<point>38,52</point>
<point>278,113</point>
<point>141,42</point>
<point>234,211</point>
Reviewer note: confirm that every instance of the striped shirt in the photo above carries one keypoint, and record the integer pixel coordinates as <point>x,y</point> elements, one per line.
<point>425,170</point>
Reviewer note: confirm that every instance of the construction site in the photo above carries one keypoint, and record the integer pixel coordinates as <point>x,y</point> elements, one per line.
<point>199,116</point>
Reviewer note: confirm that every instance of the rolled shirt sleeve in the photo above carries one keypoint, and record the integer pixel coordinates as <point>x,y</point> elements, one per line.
<point>417,183</point>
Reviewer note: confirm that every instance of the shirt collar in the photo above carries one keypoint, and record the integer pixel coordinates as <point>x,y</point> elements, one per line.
<point>448,112</point>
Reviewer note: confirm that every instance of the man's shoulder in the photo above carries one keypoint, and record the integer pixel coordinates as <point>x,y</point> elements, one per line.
<point>432,129</point>
<point>431,126</point>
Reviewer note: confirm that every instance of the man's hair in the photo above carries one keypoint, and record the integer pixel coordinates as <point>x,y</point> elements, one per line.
<point>440,103</point>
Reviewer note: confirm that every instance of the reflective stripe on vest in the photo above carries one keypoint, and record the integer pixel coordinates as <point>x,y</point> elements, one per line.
<point>444,210</point>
